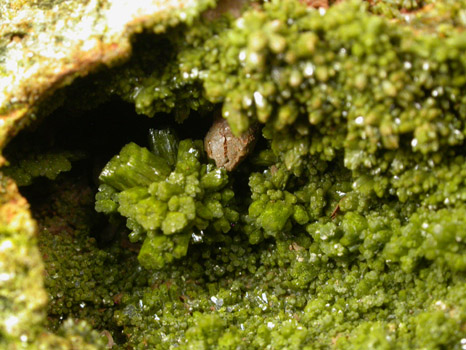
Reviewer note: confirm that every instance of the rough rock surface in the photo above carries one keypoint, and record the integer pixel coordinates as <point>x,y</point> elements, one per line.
<point>45,45</point>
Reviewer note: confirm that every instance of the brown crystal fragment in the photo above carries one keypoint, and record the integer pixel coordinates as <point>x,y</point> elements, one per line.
<point>226,149</point>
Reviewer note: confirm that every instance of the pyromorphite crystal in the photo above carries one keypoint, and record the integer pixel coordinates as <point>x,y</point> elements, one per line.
<point>174,222</point>
<point>47,165</point>
<point>134,166</point>
<point>344,229</point>
<point>275,216</point>
<point>171,192</point>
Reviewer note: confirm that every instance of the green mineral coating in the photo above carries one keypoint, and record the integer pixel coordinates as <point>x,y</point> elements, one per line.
<point>345,229</point>
<point>48,165</point>
<point>94,278</point>
<point>284,296</point>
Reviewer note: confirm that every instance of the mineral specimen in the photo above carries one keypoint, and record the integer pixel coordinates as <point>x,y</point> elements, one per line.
<point>343,229</point>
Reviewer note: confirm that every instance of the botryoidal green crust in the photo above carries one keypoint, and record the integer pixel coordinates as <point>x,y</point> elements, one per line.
<point>354,233</point>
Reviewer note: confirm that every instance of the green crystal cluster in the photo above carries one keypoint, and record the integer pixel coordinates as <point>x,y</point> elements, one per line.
<point>167,195</point>
<point>47,164</point>
<point>284,296</point>
<point>360,187</point>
